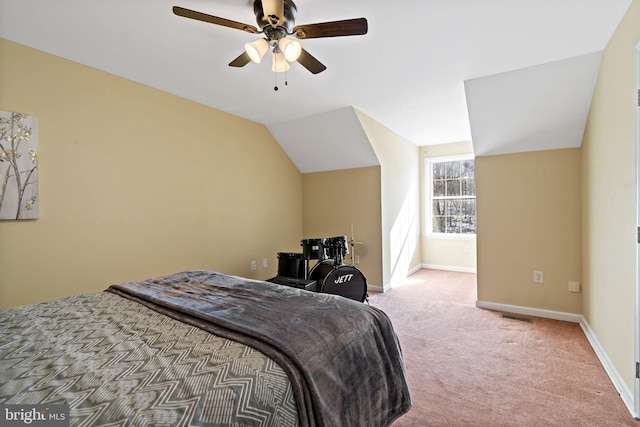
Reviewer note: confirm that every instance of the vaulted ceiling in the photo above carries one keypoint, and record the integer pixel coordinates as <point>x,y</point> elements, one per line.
<point>510,75</point>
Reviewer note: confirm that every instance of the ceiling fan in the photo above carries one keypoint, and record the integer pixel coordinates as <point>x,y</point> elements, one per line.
<point>276,20</point>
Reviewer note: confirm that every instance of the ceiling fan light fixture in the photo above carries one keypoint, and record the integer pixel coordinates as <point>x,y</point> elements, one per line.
<point>290,48</point>
<point>256,49</point>
<point>280,64</point>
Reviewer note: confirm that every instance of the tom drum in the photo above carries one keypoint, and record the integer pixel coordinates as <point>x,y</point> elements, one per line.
<point>313,249</point>
<point>291,264</point>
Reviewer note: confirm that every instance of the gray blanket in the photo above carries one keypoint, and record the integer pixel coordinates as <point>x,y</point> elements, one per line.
<point>342,357</point>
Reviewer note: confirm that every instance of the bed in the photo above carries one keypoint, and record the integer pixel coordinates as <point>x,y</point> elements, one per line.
<point>203,348</point>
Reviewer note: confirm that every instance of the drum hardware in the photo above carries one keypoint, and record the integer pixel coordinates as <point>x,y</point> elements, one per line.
<point>353,242</point>
<point>353,255</point>
<point>336,248</point>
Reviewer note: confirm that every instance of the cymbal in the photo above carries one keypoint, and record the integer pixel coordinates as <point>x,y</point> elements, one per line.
<point>356,242</point>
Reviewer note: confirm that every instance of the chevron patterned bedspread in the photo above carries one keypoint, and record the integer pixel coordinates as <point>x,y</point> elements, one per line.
<point>203,348</point>
<point>115,361</point>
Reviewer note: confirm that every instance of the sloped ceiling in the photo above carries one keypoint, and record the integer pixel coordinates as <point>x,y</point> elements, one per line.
<point>407,73</point>
<point>536,108</point>
<point>329,141</point>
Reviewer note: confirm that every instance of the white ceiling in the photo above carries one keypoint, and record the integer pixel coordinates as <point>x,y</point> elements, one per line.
<point>408,72</point>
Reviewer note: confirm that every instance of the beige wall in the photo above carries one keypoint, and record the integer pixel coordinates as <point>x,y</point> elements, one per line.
<point>382,203</point>
<point>135,182</point>
<point>528,208</point>
<point>335,201</point>
<point>399,160</point>
<point>608,202</point>
<point>457,253</point>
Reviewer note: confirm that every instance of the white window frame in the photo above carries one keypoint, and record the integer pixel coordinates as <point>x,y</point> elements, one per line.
<point>428,204</point>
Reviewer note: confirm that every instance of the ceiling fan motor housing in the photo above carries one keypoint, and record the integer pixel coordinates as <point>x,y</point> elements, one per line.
<point>290,12</point>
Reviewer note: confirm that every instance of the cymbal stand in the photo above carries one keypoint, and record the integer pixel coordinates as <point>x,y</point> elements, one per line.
<point>353,242</point>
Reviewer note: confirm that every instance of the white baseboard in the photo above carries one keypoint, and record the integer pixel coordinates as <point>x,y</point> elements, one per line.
<point>625,394</point>
<point>448,268</point>
<point>414,270</point>
<point>377,288</point>
<point>389,286</point>
<point>547,314</point>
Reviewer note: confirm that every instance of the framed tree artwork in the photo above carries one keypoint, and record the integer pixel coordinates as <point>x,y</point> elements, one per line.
<point>18,166</point>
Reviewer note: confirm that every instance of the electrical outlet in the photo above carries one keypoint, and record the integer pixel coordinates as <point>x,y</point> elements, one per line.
<point>264,262</point>
<point>356,259</point>
<point>253,266</point>
<point>574,286</point>
<point>538,276</point>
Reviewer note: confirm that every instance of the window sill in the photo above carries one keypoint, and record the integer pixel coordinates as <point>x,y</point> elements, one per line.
<point>444,236</point>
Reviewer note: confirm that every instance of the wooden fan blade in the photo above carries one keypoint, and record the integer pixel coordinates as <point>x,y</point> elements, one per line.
<point>241,60</point>
<point>347,27</point>
<point>199,16</point>
<point>309,62</point>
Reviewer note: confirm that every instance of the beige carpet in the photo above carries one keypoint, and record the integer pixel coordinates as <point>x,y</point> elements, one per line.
<point>470,367</point>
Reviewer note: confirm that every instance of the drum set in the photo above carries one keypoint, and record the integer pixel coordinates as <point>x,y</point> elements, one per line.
<point>330,272</point>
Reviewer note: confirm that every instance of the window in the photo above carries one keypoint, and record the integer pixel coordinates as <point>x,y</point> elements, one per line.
<point>451,196</point>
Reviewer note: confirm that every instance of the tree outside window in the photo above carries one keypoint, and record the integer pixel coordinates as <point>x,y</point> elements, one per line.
<point>452,195</point>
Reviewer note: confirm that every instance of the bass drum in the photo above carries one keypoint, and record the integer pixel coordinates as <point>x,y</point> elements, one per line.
<point>344,280</point>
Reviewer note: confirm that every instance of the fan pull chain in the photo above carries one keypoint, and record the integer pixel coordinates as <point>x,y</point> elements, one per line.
<point>277,69</point>
<point>286,80</point>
